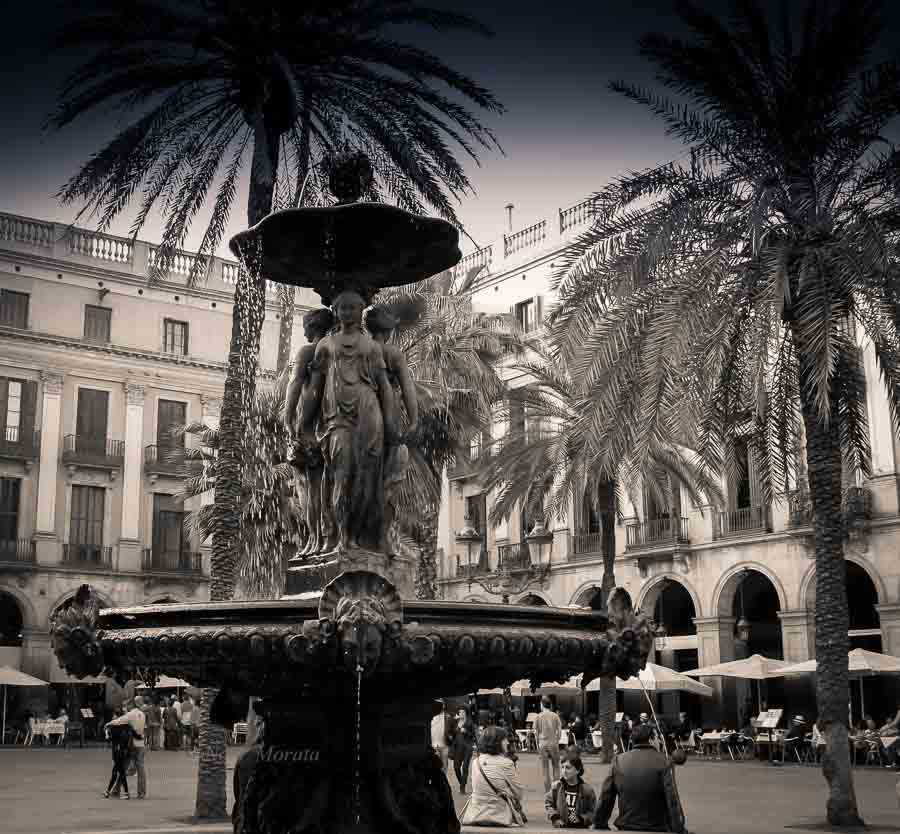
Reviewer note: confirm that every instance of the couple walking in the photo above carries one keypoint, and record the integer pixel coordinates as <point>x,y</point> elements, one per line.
<point>454,738</point>
<point>126,736</point>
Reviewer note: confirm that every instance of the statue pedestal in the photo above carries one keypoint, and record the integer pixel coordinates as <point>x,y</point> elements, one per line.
<point>303,577</point>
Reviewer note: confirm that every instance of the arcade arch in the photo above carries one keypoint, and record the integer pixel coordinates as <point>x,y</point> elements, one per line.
<point>12,621</point>
<point>66,599</point>
<point>589,596</point>
<point>863,595</point>
<point>532,599</point>
<point>649,595</point>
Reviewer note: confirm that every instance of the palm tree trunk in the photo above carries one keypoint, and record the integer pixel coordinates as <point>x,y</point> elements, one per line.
<point>606,711</point>
<point>823,457</point>
<point>426,567</point>
<point>240,384</point>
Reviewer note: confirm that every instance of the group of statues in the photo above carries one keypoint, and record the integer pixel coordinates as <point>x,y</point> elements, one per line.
<point>343,410</point>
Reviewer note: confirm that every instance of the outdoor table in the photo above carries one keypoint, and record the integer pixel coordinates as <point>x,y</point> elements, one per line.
<point>708,740</point>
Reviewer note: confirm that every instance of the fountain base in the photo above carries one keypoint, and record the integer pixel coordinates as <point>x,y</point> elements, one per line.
<point>306,775</point>
<point>311,575</point>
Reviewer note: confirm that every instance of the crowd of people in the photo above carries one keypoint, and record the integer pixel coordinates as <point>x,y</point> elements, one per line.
<point>486,767</point>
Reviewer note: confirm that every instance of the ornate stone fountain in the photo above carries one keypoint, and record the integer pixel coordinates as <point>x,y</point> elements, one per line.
<point>346,665</point>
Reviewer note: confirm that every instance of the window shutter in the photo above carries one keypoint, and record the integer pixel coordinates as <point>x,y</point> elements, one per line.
<point>538,311</point>
<point>29,408</point>
<point>4,396</point>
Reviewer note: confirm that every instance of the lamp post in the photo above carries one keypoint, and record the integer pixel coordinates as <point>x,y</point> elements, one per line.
<point>743,624</point>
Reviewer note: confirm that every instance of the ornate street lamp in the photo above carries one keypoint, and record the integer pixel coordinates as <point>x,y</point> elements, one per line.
<point>661,634</point>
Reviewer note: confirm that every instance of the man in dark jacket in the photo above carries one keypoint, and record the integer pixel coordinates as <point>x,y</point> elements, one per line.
<point>644,783</point>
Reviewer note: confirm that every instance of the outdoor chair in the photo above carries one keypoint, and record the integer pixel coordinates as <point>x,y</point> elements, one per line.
<point>240,729</point>
<point>874,754</point>
<point>792,748</point>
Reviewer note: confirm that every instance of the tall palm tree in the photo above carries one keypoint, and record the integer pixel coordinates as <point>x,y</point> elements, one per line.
<point>558,462</point>
<point>213,82</point>
<point>745,272</point>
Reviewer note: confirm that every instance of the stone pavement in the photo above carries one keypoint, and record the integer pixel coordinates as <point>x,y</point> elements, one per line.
<point>58,791</point>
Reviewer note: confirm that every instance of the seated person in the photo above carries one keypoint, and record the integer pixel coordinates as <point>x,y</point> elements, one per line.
<point>644,783</point>
<point>795,737</point>
<point>683,729</point>
<point>571,802</point>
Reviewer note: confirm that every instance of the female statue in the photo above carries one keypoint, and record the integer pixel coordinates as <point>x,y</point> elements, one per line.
<point>349,402</point>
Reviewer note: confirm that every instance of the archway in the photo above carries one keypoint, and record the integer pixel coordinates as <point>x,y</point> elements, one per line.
<point>12,622</point>
<point>862,599</point>
<point>754,607</point>
<point>165,600</point>
<point>531,599</point>
<point>67,599</point>
<point>590,597</point>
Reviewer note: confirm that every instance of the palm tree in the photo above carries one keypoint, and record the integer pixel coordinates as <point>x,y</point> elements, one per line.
<point>559,462</point>
<point>213,82</point>
<point>728,287</point>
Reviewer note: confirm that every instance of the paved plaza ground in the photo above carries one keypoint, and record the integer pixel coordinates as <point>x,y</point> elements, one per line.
<point>57,791</point>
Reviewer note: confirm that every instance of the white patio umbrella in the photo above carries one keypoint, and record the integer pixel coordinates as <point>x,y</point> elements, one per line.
<point>13,677</point>
<point>523,687</point>
<point>755,668</point>
<point>165,682</point>
<point>861,664</point>
<point>655,678</point>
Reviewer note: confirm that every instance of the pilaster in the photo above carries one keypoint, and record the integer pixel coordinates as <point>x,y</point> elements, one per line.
<point>881,437</point>
<point>797,635</point>
<point>45,522</point>
<point>211,412</point>
<point>715,644</point>
<point>36,653</point>
<point>889,615</point>
<point>130,543</point>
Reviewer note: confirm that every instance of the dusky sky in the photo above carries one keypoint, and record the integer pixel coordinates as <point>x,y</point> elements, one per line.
<point>564,133</point>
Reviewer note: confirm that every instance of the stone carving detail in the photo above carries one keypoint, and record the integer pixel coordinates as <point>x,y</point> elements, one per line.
<point>212,406</point>
<point>134,394</point>
<point>73,635</point>
<point>53,382</point>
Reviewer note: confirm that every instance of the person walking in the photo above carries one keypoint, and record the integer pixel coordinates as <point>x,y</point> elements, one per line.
<point>154,724</point>
<point>571,802</point>
<point>547,731</point>
<point>441,732</point>
<point>643,781</point>
<point>463,747</point>
<point>135,717</point>
<point>171,727</point>
<point>188,714</point>
<point>120,736</point>
<point>496,799</point>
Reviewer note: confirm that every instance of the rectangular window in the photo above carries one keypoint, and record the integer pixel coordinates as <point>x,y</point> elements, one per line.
<point>18,400</point>
<point>9,509</point>
<point>86,523</point>
<point>525,315</point>
<point>97,321</point>
<point>175,337</point>
<point>170,415</point>
<point>168,526</point>
<point>91,420</point>
<point>14,309</point>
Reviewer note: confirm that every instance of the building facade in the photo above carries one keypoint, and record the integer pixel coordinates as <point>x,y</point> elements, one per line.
<point>724,582</point>
<point>97,368</point>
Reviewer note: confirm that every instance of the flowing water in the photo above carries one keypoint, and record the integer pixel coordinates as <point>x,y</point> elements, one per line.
<point>359,671</point>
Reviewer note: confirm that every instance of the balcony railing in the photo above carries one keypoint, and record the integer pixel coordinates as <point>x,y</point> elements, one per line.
<point>20,445</point>
<point>91,450</point>
<point>172,561</point>
<point>799,510</point>
<point>87,554</point>
<point>514,556</point>
<point>741,521</point>
<point>480,564</point>
<point>586,545</point>
<point>170,460</point>
<point>17,550</point>
<point>657,531</point>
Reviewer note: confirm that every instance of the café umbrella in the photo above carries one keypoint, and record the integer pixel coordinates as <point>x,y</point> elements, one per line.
<point>755,668</point>
<point>656,678</point>
<point>13,677</point>
<point>860,664</point>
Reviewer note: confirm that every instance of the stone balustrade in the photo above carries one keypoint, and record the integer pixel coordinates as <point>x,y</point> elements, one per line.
<point>99,246</point>
<point>577,215</point>
<point>533,236</point>
<point>26,230</point>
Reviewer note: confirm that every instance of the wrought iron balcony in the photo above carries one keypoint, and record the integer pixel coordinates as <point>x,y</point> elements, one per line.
<point>17,551</point>
<point>16,444</point>
<point>799,510</point>
<point>465,568</point>
<point>171,461</point>
<point>87,554</point>
<point>514,556</point>
<point>172,561</point>
<point>741,522</point>
<point>656,532</point>
<point>585,546</point>
<point>93,450</point>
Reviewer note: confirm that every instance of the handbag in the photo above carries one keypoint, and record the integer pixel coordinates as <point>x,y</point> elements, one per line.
<point>514,806</point>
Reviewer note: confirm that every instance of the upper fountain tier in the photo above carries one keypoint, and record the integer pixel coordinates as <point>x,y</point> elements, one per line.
<point>360,246</point>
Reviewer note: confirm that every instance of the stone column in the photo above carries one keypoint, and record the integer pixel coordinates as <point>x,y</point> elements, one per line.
<point>889,615</point>
<point>47,542</point>
<point>132,479</point>
<point>36,653</point>
<point>883,482</point>
<point>796,629</point>
<point>715,644</point>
